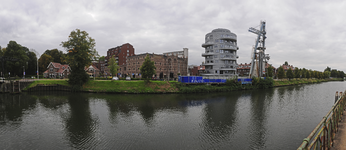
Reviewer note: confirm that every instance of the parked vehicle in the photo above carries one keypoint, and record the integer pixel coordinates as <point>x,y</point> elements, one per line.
<point>128,78</point>
<point>115,78</point>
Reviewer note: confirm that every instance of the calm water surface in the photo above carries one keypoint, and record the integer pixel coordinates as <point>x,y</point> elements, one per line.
<point>278,118</point>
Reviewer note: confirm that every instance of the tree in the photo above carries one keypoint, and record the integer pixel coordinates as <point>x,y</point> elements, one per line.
<point>102,58</point>
<point>147,69</point>
<point>281,72</point>
<point>58,56</point>
<point>43,62</point>
<point>303,73</point>
<point>113,66</point>
<point>297,72</point>
<point>308,74</point>
<point>289,73</point>
<point>270,71</point>
<point>326,74</point>
<point>334,73</point>
<point>328,69</point>
<point>286,63</point>
<point>341,74</point>
<point>81,51</point>
<point>15,50</point>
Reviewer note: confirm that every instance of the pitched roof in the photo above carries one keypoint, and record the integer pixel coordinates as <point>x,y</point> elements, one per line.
<point>61,68</point>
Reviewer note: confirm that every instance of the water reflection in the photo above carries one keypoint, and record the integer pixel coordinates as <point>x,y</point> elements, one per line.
<point>80,125</point>
<point>13,106</point>
<point>220,115</point>
<point>260,103</point>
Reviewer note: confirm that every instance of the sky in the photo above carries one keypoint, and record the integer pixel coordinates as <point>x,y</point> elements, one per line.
<point>307,34</point>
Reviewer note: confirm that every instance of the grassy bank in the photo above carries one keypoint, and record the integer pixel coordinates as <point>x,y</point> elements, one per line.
<point>49,82</point>
<point>121,86</point>
<point>286,82</point>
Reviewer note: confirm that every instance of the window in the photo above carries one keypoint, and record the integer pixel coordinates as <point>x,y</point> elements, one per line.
<point>221,51</point>
<point>128,51</point>
<point>216,51</point>
<point>215,56</point>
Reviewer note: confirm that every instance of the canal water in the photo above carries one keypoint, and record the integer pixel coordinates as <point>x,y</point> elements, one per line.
<point>277,118</point>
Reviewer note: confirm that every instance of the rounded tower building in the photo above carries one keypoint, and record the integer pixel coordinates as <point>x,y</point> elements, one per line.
<point>220,54</point>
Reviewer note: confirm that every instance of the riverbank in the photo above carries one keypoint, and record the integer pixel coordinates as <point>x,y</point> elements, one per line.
<point>139,86</point>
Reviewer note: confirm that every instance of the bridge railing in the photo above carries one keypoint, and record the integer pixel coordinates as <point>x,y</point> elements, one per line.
<point>322,137</point>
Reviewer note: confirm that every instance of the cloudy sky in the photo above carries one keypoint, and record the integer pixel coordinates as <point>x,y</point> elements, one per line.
<point>309,33</point>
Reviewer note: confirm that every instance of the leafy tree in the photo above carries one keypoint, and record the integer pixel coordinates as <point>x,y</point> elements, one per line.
<point>328,69</point>
<point>113,66</point>
<point>334,73</point>
<point>81,51</point>
<point>58,56</point>
<point>43,62</point>
<point>286,63</point>
<point>303,73</point>
<point>326,74</point>
<point>270,71</point>
<point>15,50</point>
<point>32,63</point>
<point>147,69</point>
<point>289,73</point>
<point>312,75</point>
<point>102,58</point>
<point>281,72</point>
<point>341,74</point>
<point>308,74</point>
<point>297,72</point>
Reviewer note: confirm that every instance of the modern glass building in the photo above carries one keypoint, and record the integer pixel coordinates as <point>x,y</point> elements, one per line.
<point>220,54</point>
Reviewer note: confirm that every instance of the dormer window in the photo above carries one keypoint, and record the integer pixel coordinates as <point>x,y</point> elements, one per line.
<point>63,67</point>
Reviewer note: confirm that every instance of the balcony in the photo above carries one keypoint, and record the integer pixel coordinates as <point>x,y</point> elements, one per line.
<point>207,54</point>
<point>232,57</point>
<point>231,47</point>
<point>229,67</point>
<point>207,44</point>
<point>229,37</point>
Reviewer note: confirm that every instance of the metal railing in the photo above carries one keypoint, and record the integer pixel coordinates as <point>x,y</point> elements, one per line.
<point>322,137</point>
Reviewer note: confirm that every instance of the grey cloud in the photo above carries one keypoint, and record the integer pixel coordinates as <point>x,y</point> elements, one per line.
<point>307,34</point>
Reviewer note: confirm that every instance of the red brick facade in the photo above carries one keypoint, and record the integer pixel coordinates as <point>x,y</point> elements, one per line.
<point>166,66</point>
<point>120,53</point>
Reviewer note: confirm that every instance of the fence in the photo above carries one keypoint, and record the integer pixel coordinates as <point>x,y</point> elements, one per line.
<point>323,135</point>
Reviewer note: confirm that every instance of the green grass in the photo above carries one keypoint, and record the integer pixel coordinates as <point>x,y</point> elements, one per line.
<point>129,86</point>
<point>286,82</point>
<point>49,82</point>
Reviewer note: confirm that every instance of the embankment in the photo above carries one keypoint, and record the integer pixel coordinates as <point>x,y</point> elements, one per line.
<point>139,86</point>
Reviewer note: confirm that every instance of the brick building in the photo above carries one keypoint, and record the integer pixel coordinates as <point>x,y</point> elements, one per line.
<point>196,70</point>
<point>120,53</point>
<point>167,66</point>
<point>244,69</point>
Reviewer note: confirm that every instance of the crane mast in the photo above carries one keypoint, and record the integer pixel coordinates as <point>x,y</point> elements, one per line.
<point>258,55</point>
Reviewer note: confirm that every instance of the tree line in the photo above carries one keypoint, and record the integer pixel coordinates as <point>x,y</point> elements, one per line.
<point>303,73</point>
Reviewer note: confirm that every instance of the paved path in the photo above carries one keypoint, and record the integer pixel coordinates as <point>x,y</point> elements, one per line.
<point>340,137</point>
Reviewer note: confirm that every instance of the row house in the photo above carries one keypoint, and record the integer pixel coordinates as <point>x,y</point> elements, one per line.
<point>244,69</point>
<point>92,71</point>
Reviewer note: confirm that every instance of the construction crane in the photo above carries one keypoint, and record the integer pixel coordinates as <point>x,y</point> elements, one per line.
<point>258,55</point>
